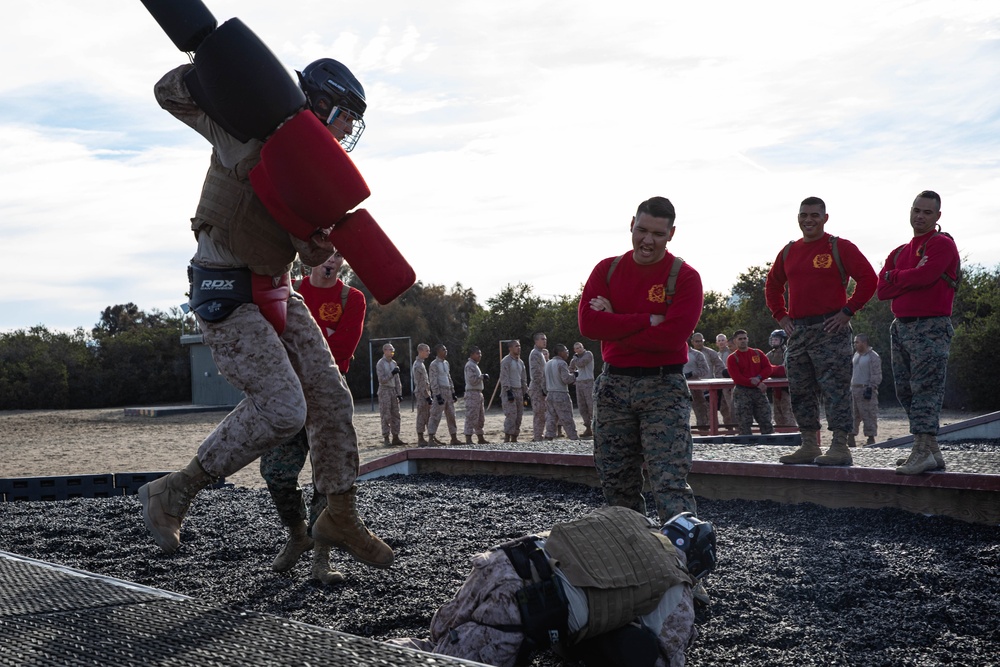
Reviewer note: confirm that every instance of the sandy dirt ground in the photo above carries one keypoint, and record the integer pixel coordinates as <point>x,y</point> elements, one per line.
<point>92,442</point>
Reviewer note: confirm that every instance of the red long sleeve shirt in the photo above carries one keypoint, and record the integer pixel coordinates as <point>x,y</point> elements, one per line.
<point>636,291</point>
<point>341,326</point>
<point>744,365</point>
<point>814,283</point>
<point>919,291</point>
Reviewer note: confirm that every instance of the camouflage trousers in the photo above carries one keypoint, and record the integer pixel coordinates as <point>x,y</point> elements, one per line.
<point>538,412</point>
<point>865,410</point>
<point>750,404</point>
<point>644,420</point>
<point>388,409</point>
<point>781,406</point>
<point>513,410</point>
<point>280,467</point>
<point>919,366</point>
<point>819,363</point>
<point>726,406</point>
<point>585,400</point>
<point>448,410</point>
<point>423,414</point>
<point>559,412</point>
<point>289,381</point>
<point>475,412</point>
<point>700,406</point>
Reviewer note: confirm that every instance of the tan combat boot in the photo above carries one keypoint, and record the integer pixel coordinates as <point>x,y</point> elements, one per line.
<point>165,501</point>
<point>481,439</point>
<point>396,442</point>
<point>421,441</point>
<point>340,526</point>
<point>851,442</point>
<point>587,433</point>
<point>297,544</point>
<point>932,445</point>
<point>513,438</point>
<point>454,440</point>
<point>506,437</point>
<point>934,449</point>
<point>838,454</point>
<point>432,439</point>
<point>468,439</point>
<point>385,440</point>
<point>920,460</point>
<point>321,566</point>
<point>807,451</point>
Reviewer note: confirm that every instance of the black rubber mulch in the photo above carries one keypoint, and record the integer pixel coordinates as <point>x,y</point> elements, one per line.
<point>796,585</point>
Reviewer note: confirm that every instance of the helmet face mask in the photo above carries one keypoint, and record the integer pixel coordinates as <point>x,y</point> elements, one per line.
<point>781,337</point>
<point>336,97</point>
<point>696,539</point>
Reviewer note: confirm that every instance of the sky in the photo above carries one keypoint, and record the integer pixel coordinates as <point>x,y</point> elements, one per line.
<point>511,142</point>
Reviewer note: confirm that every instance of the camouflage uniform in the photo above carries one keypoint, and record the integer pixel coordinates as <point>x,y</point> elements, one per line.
<point>277,374</point>
<point>919,366</point>
<point>513,379</point>
<point>644,418</point>
<point>443,391</point>
<point>867,375</point>
<point>483,622</point>
<point>280,467</point>
<point>558,406</point>
<point>819,361</point>
<point>536,390</point>
<point>697,366</point>
<point>749,404</point>
<point>289,379</point>
<point>422,392</point>
<point>475,411</point>
<point>583,364</point>
<point>725,395</point>
<point>390,388</point>
<point>782,399</point>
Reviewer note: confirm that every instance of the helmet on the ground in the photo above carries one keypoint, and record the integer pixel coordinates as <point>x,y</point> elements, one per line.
<point>780,335</point>
<point>696,538</point>
<point>333,92</point>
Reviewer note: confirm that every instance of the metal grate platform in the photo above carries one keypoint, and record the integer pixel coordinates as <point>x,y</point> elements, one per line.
<point>51,615</point>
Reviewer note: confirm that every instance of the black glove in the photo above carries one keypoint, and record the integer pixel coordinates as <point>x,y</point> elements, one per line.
<point>440,400</point>
<point>454,396</point>
<point>725,374</point>
<point>395,371</point>
<point>689,375</point>
<point>429,401</point>
<point>485,377</point>
<point>510,395</point>
<point>399,397</point>
<point>576,374</point>
<point>868,393</point>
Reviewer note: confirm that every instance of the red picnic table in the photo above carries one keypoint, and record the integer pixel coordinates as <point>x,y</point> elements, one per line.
<point>715,385</point>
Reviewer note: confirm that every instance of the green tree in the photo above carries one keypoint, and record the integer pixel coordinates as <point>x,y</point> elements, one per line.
<point>750,306</point>
<point>509,314</point>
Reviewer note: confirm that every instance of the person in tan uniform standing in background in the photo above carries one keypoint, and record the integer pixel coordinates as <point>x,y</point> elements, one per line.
<point>514,384</point>
<point>558,406</point>
<point>475,410</point>
<point>422,392</point>
<point>536,389</point>
<point>390,392</point>
<point>582,365</point>
<point>443,391</point>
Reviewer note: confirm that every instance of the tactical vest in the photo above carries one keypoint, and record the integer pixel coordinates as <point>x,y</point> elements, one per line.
<point>623,565</point>
<point>239,220</point>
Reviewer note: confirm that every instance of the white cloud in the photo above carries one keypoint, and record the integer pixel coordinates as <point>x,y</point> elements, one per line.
<point>511,143</point>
